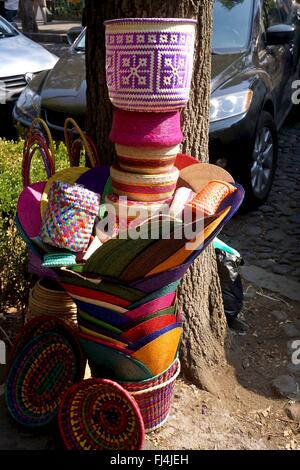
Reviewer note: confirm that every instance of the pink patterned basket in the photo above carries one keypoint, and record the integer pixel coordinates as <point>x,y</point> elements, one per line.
<point>154,396</point>
<point>149,62</point>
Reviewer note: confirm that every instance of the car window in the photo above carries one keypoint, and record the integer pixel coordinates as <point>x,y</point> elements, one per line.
<point>6,30</point>
<point>286,11</point>
<point>80,44</point>
<point>271,13</point>
<point>232,20</point>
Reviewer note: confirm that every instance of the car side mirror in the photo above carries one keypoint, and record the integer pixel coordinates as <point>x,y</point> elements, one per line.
<point>73,34</point>
<point>280,34</point>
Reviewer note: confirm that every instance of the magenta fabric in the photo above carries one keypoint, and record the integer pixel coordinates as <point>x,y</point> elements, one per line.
<point>151,307</point>
<point>146,129</point>
<point>30,219</point>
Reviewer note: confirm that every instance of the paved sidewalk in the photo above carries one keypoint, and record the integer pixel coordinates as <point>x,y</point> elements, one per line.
<point>53,32</point>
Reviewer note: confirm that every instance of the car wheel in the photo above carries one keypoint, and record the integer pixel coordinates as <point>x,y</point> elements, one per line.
<point>258,174</point>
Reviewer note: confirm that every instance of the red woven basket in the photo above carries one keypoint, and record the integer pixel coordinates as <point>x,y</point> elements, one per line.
<point>154,396</point>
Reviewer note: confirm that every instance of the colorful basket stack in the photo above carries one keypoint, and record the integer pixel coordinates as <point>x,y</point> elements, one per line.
<point>149,66</point>
<point>125,292</point>
<point>127,334</point>
<point>129,322</point>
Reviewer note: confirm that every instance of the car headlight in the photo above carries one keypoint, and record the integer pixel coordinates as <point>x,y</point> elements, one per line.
<point>29,103</point>
<point>230,105</point>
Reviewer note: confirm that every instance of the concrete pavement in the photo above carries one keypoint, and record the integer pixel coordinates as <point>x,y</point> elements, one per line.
<point>53,32</point>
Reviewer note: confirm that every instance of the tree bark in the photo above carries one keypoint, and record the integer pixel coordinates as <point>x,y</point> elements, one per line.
<point>200,293</point>
<point>29,24</point>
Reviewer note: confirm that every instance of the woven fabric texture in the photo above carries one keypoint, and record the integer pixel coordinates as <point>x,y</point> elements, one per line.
<point>149,64</point>
<point>70,216</point>
<point>98,414</point>
<point>146,129</point>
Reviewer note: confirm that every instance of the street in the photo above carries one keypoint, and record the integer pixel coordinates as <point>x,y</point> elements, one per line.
<point>269,237</point>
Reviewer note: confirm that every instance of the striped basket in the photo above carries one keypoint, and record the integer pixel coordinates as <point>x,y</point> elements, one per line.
<point>154,396</point>
<point>125,211</point>
<point>144,187</point>
<point>147,160</point>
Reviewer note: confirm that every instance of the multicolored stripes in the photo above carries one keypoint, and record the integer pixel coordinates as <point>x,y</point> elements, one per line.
<point>144,187</point>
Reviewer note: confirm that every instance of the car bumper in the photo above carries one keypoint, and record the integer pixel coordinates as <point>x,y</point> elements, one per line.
<point>6,120</point>
<point>231,139</point>
<point>23,122</point>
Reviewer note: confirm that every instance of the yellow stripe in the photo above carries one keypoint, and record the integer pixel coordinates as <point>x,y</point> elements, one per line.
<point>147,152</point>
<point>151,27</point>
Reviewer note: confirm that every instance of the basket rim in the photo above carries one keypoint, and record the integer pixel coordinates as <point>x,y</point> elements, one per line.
<point>150,20</point>
<point>161,385</point>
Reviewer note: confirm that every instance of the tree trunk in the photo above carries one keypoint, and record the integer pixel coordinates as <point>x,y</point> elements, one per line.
<point>199,294</point>
<point>29,24</point>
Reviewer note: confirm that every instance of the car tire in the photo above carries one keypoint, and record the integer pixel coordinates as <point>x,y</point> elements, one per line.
<point>257,175</point>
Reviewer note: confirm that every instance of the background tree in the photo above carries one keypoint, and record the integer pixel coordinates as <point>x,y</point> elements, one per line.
<point>199,294</point>
<point>29,24</point>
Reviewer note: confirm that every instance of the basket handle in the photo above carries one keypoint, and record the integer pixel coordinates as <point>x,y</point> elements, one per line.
<point>73,147</point>
<point>39,140</point>
<point>163,384</point>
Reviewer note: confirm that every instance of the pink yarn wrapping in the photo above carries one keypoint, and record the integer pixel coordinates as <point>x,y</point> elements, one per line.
<point>146,129</point>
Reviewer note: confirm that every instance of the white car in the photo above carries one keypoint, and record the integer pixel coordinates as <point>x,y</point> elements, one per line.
<point>20,60</point>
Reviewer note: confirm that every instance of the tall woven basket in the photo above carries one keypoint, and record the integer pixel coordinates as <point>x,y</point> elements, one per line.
<point>154,396</point>
<point>149,62</point>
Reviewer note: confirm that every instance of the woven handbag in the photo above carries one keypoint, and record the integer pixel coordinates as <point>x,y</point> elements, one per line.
<point>69,217</point>
<point>38,141</point>
<point>77,142</point>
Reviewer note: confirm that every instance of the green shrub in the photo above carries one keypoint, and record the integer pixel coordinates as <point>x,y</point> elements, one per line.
<point>14,282</point>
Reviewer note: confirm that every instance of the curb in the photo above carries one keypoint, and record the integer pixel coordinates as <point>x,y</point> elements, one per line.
<point>282,285</point>
<point>48,37</point>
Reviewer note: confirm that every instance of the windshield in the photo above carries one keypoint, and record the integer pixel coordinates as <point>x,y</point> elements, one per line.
<point>5,29</point>
<point>231,24</point>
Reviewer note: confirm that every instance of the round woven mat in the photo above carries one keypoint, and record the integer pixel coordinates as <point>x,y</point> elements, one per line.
<point>38,378</point>
<point>49,324</point>
<point>98,414</point>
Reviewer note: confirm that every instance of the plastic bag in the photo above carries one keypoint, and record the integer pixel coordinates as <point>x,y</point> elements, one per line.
<point>228,261</point>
